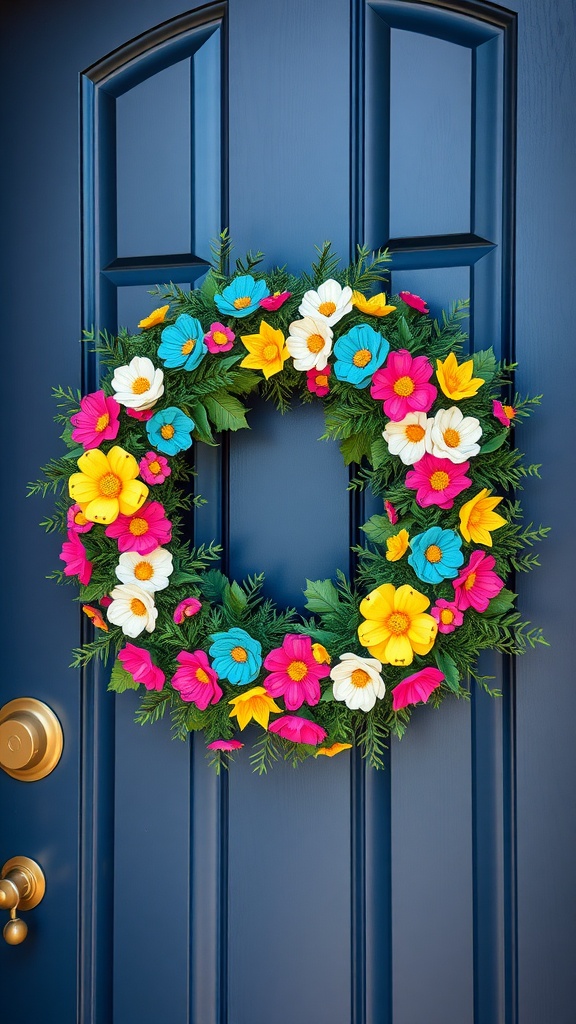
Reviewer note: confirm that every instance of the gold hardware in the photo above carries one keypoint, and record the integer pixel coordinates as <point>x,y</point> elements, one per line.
<point>22,886</point>
<point>31,739</point>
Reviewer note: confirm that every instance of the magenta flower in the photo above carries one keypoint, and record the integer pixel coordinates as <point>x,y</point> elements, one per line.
<point>414,301</point>
<point>147,529</point>
<point>504,413</point>
<point>76,520</point>
<point>477,584</point>
<point>391,512</point>
<point>299,730</point>
<point>196,680</point>
<point>273,302</point>
<point>403,385</point>
<point>154,469</point>
<point>225,745</point>
<point>140,414</point>
<point>417,687</point>
<point>447,615</point>
<point>188,607</point>
<point>96,421</point>
<point>74,555</point>
<point>437,481</point>
<point>317,381</point>
<point>105,601</point>
<point>138,663</point>
<point>295,672</point>
<point>219,338</point>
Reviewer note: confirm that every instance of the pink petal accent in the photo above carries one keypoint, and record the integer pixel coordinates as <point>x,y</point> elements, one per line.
<point>417,687</point>
<point>414,301</point>
<point>138,662</point>
<point>299,730</point>
<point>188,607</point>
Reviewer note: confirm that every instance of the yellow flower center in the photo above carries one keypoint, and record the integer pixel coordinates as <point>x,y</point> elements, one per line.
<point>167,431</point>
<point>242,302</point>
<point>102,422</point>
<point>143,571</point>
<point>321,380</point>
<point>110,485</point>
<point>414,432</point>
<point>80,519</point>
<point>439,480</point>
<point>219,338</point>
<point>188,346</point>
<point>269,352</point>
<point>138,526</point>
<point>327,308</point>
<point>398,623</point>
<point>315,343</point>
<point>433,553</point>
<point>510,411</point>
<point>359,678</point>
<point>239,654</point>
<point>451,438</point>
<point>154,467</point>
<point>404,386</point>
<point>297,670</point>
<point>202,676</point>
<point>362,357</point>
<point>446,616</point>
<point>137,607</point>
<point>470,581</point>
<point>140,385</point>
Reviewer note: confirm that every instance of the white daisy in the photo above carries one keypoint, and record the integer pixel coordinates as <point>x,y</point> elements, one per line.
<point>331,302</point>
<point>309,343</point>
<point>453,436</point>
<point>150,572</point>
<point>357,682</point>
<point>138,385</point>
<point>408,437</point>
<point>133,609</point>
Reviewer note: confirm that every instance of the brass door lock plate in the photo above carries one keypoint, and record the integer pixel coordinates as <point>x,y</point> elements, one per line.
<point>31,739</point>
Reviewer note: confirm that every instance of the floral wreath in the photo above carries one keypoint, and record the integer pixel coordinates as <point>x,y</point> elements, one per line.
<point>430,435</point>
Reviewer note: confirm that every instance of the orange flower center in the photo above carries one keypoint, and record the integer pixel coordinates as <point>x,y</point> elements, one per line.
<point>137,607</point>
<point>297,670</point>
<point>439,480</point>
<point>321,380</point>
<point>398,623</point>
<point>242,302</point>
<point>143,571</point>
<point>188,346</point>
<point>362,357</point>
<point>154,467</point>
<point>327,308</point>
<point>451,438</point>
<point>359,678</point>
<point>470,581</point>
<point>433,553</point>
<point>239,654</point>
<point>404,386</point>
<point>138,526</point>
<point>140,385</point>
<point>510,411</point>
<point>219,338</point>
<point>102,422</point>
<point>269,353</point>
<point>110,485</point>
<point>414,432</point>
<point>315,343</point>
<point>202,676</point>
<point>80,519</point>
<point>167,431</point>
<point>446,616</point>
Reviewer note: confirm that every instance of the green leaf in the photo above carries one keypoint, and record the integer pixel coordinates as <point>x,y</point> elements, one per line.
<point>225,411</point>
<point>379,453</point>
<point>448,667</point>
<point>121,680</point>
<point>495,442</point>
<point>379,528</point>
<point>214,585</point>
<point>356,447</point>
<point>485,364</point>
<point>327,695</point>
<point>202,426</point>
<point>322,596</point>
<point>500,604</point>
<point>209,286</point>
<point>234,598</point>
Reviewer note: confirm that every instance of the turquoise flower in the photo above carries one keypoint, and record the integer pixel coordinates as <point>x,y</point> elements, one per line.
<point>183,343</point>
<point>236,656</point>
<point>359,353</point>
<point>436,555</point>
<point>170,430</point>
<point>242,296</point>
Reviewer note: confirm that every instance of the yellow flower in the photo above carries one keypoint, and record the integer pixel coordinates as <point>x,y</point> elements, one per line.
<point>456,381</point>
<point>336,748</point>
<point>321,654</point>
<point>267,350</point>
<point>157,316</point>
<point>477,518</point>
<point>396,625</point>
<point>106,485</point>
<point>397,546</point>
<point>376,306</point>
<point>254,704</point>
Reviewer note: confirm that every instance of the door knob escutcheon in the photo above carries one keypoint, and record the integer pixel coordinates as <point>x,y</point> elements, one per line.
<point>31,739</point>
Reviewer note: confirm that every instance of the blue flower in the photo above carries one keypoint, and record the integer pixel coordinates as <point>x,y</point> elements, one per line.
<point>170,430</point>
<point>183,343</point>
<point>236,656</point>
<point>359,353</point>
<point>242,296</point>
<point>436,555</point>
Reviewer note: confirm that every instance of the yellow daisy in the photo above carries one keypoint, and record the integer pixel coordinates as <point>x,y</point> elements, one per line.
<point>106,485</point>
<point>267,350</point>
<point>254,704</point>
<point>396,626</point>
<point>376,306</point>
<point>336,748</point>
<point>457,381</point>
<point>477,518</point>
<point>157,316</point>
<point>397,546</point>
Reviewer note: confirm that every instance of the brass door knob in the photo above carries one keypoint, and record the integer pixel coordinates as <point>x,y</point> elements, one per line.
<point>31,739</point>
<point>22,886</point>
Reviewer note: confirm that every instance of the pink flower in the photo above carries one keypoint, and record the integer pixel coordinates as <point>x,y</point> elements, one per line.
<point>437,481</point>
<point>74,554</point>
<point>138,663</point>
<point>145,530</point>
<point>317,381</point>
<point>273,302</point>
<point>504,413</point>
<point>391,512</point>
<point>140,414</point>
<point>105,601</point>
<point>415,301</point>
<point>154,469</point>
<point>76,520</point>
<point>477,584</point>
<point>97,420</point>
<point>403,384</point>
<point>447,616</point>
<point>219,338</point>
<point>417,687</point>
<point>196,680</point>
<point>295,672</point>
<point>189,606</point>
<point>299,730</point>
<point>225,745</point>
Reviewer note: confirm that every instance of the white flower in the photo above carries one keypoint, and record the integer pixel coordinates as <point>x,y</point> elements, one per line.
<point>150,572</point>
<point>408,437</point>
<point>453,436</point>
<point>139,385</point>
<point>357,681</point>
<point>309,343</point>
<point>133,609</point>
<point>331,302</point>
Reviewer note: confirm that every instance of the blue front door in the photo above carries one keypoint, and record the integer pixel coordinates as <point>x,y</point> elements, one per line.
<point>439,890</point>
